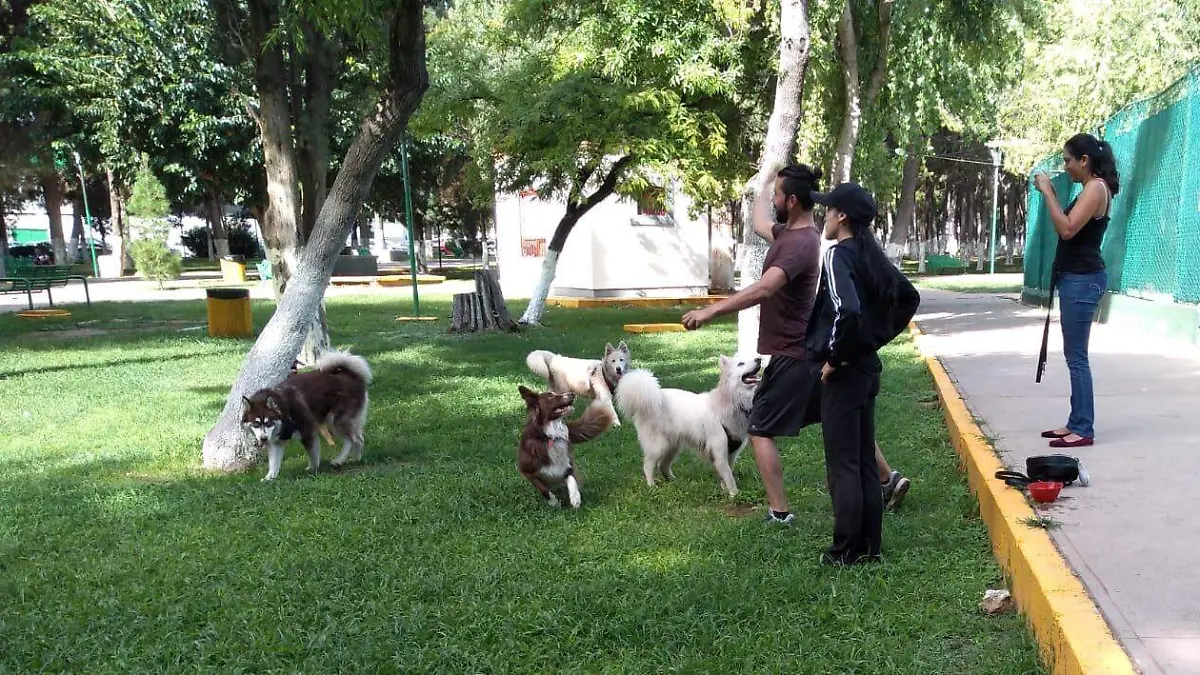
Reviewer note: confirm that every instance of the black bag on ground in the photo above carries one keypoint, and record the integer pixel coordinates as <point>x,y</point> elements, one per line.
<point>1061,468</point>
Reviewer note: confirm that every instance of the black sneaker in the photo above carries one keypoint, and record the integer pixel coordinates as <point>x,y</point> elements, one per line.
<point>895,489</point>
<point>773,519</point>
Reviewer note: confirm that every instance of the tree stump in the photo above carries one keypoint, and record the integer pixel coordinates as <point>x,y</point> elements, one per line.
<point>482,310</point>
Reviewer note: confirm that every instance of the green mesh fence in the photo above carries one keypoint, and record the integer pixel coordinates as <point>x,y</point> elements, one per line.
<point>1152,246</point>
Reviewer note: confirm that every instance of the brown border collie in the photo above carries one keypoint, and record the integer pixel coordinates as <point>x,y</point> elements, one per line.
<point>546,456</point>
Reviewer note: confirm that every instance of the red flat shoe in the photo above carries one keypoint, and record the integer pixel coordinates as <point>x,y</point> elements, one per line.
<point>1054,434</point>
<point>1083,441</point>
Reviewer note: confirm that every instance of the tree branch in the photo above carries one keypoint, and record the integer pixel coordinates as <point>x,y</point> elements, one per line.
<point>879,72</point>
<point>609,185</point>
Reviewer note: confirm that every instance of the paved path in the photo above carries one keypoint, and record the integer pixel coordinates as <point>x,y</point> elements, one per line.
<point>189,288</point>
<point>1133,536</point>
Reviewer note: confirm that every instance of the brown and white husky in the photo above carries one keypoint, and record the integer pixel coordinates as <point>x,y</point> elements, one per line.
<point>334,395</point>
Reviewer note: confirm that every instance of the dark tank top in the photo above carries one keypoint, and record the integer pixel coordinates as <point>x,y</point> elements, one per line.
<point>1081,254</point>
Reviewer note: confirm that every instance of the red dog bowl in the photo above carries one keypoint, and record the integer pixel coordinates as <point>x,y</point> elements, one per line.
<point>1045,492</point>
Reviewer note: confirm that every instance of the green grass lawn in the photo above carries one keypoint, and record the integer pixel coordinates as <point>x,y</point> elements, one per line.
<point>998,283</point>
<point>118,554</point>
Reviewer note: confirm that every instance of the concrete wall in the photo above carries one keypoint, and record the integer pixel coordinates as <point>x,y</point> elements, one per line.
<point>613,252</point>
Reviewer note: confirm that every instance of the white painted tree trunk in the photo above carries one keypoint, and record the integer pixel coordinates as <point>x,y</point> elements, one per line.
<point>226,446</point>
<point>777,149</point>
<point>537,303</point>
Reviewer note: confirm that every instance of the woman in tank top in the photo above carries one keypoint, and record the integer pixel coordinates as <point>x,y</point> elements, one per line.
<point>1079,271</point>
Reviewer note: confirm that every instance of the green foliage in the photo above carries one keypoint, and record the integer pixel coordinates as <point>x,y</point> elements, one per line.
<point>1097,58</point>
<point>148,199</point>
<point>154,260</point>
<point>241,240</point>
<point>552,93</point>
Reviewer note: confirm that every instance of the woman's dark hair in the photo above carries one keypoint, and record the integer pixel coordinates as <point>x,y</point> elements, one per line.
<point>1100,158</point>
<point>876,285</point>
<point>800,181</point>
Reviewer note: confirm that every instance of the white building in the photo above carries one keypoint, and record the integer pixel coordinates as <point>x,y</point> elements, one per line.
<point>621,248</point>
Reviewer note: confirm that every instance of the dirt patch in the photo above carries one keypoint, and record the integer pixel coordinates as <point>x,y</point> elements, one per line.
<point>148,327</point>
<point>738,510</point>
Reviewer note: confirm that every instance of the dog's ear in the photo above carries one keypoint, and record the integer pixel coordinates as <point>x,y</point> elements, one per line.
<point>273,402</point>
<point>246,400</point>
<point>623,347</point>
<point>526,394</point>
<point>608,348</point>
<point>724,361</point>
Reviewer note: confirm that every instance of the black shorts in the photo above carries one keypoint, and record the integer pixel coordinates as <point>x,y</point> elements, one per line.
<point>788,398</point>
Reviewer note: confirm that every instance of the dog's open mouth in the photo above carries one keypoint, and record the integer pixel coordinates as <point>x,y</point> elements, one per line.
<point>751,379</point>
<point>562,410</point>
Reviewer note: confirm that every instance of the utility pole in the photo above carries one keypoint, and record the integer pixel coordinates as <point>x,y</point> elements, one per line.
<point>996,157</point>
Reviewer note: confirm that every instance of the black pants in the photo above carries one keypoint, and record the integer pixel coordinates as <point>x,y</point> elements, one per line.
<point>848,428</point>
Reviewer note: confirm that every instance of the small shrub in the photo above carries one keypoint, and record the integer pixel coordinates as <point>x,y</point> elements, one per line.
<point>241,241</point>
<point>154,260</point>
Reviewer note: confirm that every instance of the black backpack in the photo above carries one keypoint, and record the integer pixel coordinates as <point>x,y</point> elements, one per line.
<point>1061,468</point>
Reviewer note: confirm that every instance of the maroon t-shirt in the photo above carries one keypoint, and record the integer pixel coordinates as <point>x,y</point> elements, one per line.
<point>783,317</point>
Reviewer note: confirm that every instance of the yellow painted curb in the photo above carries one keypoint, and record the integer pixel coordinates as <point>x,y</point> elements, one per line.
<point>387,280</point>
<point>1073,635</point>
<point>44,314</point>
<point>640,303</point>
<point>654,328</point>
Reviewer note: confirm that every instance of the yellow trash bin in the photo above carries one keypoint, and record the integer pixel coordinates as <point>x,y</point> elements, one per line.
<point>229,313</point>
<point>233,269</point>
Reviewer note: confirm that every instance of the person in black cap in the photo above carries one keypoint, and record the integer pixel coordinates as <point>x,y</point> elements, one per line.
<point>862,304</point>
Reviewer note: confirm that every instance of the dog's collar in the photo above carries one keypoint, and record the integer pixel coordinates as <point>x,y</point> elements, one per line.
<point>612,384</point>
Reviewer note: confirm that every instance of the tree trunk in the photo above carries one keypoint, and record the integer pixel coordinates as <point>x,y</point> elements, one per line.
<point>78,237</point>
<point>283,215</point>
<point>908,205</point>
<point>537,301</point>
<point>858,101</point>
<point>577,208</point>
<point>313,122</point>
<point>216,221</point>
<point>52,192</point>
<point>227,447</point>
<point>482,310</point>
<point>3,239</point>
<point>116,206</point>
<point>279,156</point>
<point>777,149</point>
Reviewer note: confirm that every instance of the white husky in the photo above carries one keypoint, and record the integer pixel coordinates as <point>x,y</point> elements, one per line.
<point>715,423</point>
<point>566,373</point>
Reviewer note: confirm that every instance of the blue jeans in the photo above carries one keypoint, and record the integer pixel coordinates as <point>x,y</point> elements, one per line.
<point>1078,297</point>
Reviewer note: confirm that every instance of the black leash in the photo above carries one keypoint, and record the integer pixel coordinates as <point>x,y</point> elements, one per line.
<point>1041,367</point>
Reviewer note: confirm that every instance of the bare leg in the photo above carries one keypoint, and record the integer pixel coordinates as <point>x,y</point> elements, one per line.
<point>770,470</point>
<point>885,471</point>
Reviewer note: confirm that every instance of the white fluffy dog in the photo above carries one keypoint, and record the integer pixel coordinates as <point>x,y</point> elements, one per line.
<point>715,423</point>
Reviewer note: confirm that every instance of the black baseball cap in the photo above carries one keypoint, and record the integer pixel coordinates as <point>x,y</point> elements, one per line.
<point>852,200</point>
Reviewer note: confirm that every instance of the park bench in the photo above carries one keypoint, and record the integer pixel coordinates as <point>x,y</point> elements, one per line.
<point>47,277</point>
<point>16,285</point>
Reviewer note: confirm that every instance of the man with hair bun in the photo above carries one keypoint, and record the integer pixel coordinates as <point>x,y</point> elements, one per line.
<point>788,398</point>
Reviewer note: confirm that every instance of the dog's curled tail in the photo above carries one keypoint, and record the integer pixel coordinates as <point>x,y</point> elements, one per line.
<point>538,361</point>
<point>334,361</point>
<point>597,418</point>
<point>639,394</point>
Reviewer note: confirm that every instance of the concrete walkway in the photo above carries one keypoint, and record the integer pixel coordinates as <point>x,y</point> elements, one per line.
<point>192,288</point>
<point>1133,536</point>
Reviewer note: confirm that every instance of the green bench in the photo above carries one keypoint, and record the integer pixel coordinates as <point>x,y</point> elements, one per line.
<point>44,278</point>
<point>16,285</point>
